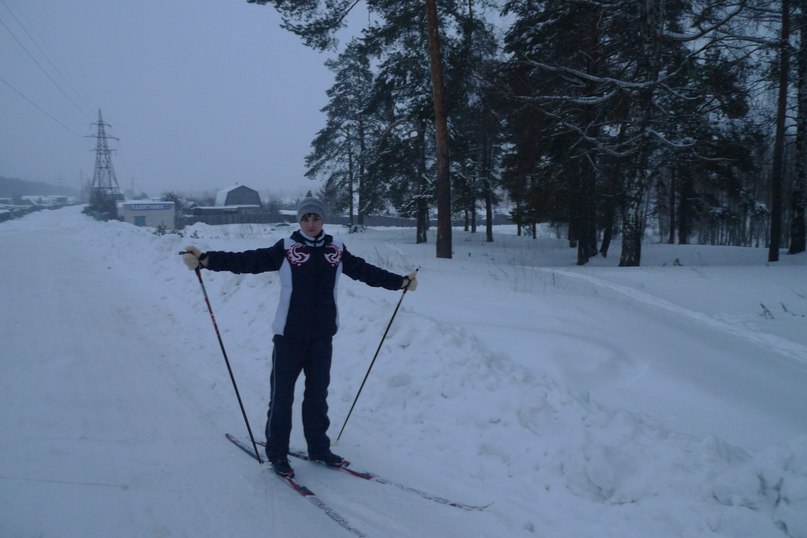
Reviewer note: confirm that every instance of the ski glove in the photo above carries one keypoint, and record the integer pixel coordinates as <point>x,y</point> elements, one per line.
<point>410,282</point>
<point>194,258</point>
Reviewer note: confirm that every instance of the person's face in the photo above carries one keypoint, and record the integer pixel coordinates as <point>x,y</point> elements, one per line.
<point>311,224</point>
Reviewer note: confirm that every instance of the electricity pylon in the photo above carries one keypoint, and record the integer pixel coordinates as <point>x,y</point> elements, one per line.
<point>105,190</point>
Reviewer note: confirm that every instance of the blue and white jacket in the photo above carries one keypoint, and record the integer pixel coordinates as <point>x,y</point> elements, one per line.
<point>309,274</point>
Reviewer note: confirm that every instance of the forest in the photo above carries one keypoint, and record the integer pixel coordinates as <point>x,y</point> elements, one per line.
<point>608,118</point>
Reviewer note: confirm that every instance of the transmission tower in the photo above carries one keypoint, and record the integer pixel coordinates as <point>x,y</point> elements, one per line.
<point>105,190</point>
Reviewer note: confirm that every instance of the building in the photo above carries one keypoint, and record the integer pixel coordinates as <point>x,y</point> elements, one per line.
<point>234,205</point>
<point>146,213</point>
<point>238,195</point>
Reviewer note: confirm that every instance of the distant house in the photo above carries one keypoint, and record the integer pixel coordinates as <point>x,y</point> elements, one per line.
<point>238,195</point>
<point>233,205</point>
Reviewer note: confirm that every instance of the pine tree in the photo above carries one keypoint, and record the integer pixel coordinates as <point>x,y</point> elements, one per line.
<point>609,87</point>
<point>316,22</point>
<point>340,150</point>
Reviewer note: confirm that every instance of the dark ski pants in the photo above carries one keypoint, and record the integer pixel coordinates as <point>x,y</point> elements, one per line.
<point>312,356</point>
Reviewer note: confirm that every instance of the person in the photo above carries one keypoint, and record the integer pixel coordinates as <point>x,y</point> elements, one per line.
<point>310,263</point>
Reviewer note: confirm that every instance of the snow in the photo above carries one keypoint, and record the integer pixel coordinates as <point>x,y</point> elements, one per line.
<point>666,400</point>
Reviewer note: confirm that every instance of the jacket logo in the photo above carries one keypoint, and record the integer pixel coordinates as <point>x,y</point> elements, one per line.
<point>296,256</point>
<point>333,255</point>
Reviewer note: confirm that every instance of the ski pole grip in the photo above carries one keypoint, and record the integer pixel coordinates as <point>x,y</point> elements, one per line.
<point>407,284</point>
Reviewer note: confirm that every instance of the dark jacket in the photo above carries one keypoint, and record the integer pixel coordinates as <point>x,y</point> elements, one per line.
<point>309,275</point>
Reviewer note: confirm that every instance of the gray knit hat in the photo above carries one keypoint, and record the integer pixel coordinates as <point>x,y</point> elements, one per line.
<point>311,205</point>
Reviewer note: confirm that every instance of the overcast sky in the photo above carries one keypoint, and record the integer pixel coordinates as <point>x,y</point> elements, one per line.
<point>203,94</point>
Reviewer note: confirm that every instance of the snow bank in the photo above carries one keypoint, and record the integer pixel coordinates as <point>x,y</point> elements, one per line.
<point>456,405</point>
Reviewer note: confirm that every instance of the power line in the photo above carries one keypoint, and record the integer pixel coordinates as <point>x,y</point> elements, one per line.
<point>34,41</point>
<point>18,92</point>
<point>43,69</point>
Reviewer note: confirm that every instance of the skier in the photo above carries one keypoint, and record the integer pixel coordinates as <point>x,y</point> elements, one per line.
<point>310,263</point>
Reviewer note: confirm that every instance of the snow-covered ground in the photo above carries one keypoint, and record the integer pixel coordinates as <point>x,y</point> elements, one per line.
<point>668,400</point>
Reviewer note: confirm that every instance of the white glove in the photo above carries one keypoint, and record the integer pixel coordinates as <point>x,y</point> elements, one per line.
<point>192,256</point>
<point>410,282</point>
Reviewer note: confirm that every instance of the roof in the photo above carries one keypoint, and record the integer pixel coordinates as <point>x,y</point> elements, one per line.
<point>221,196</point>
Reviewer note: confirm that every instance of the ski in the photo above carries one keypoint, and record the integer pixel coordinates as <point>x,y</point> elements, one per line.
<point>301,489</point>
<point>372,477</point>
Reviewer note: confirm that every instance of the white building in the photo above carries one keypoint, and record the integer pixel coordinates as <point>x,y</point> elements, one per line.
<point>145,213</point>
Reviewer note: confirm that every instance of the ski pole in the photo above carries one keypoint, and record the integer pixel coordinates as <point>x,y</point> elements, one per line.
<point>227,361</point>
<point>372,362</point>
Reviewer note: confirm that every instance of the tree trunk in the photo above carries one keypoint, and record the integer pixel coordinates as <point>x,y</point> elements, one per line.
<point>587,246</point>
<point>587,223</point>
<point>685,209</point>
<point>632,231</point>
<point>350,180</point>
<point>363,187</point>
<point>633,222</point>
<point>488,211</point>
<point>422,203</point>
<point>610,213</point>
<point>779,142</point>
<point>443,243</point>
<point>651,24</point>
<point>672,209</point>
<point>797,217</point>
<point>486,182</point>
<point>613,199</point>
